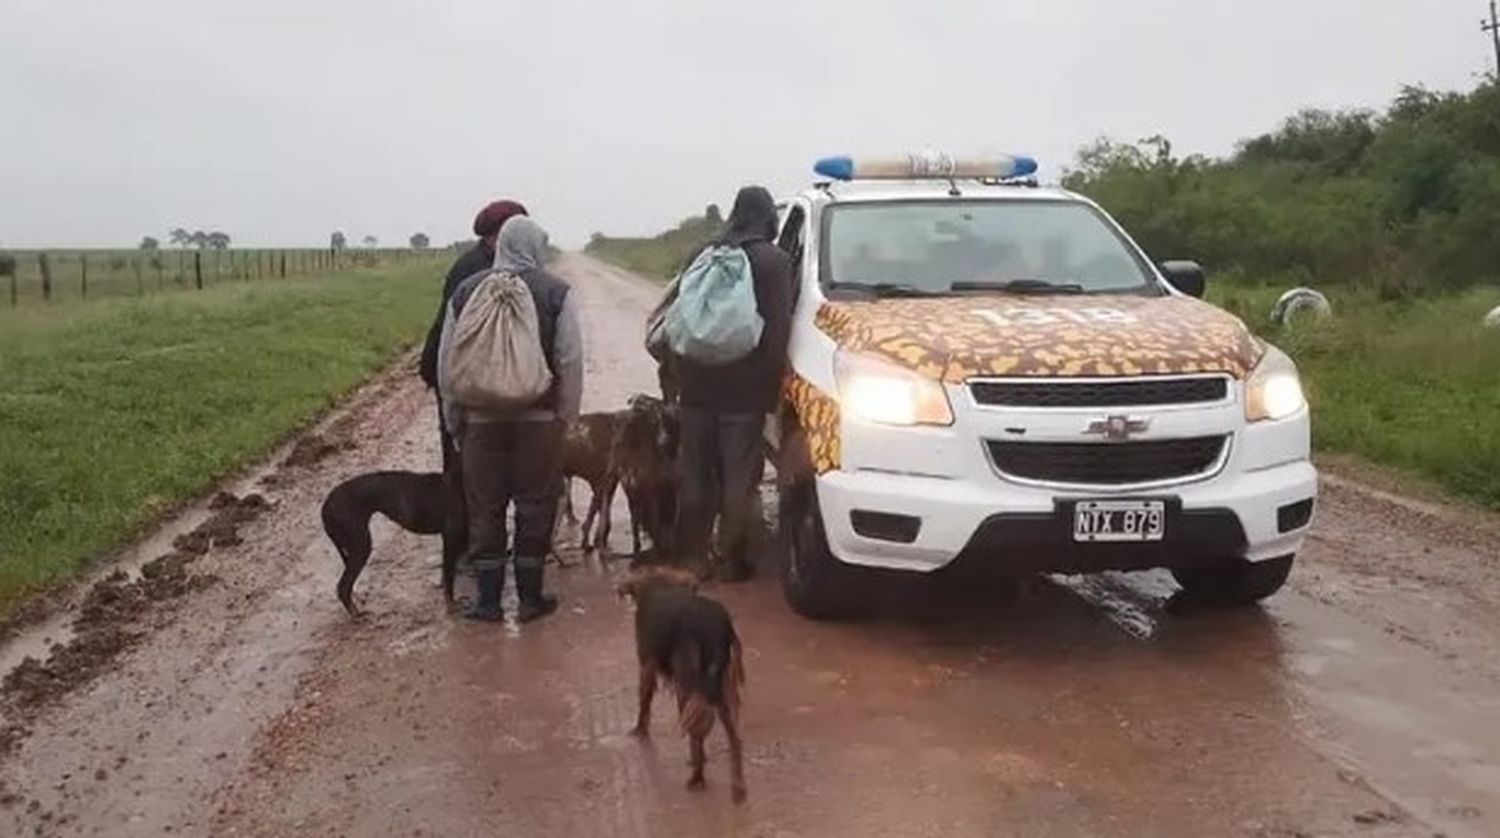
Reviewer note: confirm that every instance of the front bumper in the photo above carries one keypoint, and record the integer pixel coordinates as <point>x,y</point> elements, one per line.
<point>973,513</point>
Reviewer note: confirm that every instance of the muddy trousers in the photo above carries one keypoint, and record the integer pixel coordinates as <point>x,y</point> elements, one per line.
<point>507,463</point>
<point>720,464</point>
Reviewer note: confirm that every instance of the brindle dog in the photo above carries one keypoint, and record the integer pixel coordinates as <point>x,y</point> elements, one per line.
<point>646,456</point>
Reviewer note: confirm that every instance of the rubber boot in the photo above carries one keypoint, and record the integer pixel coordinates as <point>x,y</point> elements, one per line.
<point>491,584</point>
<point>534,604</point>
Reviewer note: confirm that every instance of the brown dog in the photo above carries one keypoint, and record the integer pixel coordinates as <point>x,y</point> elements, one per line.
<point>688,640</point>
<point>589,454</point>
<point>425,504</point>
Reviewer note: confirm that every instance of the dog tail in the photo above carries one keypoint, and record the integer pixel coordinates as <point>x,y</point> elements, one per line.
<point>697,716</point>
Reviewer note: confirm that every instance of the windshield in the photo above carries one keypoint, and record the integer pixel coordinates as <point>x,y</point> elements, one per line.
<point>939,247</point>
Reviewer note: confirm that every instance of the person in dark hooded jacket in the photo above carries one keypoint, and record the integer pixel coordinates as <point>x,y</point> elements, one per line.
<point>724,407</point>
<point>478,258</point>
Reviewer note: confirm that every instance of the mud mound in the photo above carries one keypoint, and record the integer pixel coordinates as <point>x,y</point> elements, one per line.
<point>316,447</point>
<point>115,615</point>
<point>222,528</point>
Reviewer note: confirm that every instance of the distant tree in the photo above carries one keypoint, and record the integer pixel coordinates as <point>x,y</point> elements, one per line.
<point>150,243</point>
<point>218,240</point>
<point>337,241</point>
<point>370,241</point>
<point>419,241</point>
<point>180,237</point>
<point>199,239</point>
<point>713,214</point>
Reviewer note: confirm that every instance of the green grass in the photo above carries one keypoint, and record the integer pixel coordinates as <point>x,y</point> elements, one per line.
<point>1414,385</point>
<point>112,412</point>
<point>659,257</point>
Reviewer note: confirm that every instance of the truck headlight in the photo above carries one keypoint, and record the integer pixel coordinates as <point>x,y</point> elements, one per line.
<point>879,391</point>
<point>1273,391</point>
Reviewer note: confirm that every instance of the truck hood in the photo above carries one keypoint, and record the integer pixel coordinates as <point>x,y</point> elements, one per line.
<point>952,339</point>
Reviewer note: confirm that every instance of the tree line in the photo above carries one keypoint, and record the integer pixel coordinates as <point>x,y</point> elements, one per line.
<point>1406,200</point>
<point>221,241</point>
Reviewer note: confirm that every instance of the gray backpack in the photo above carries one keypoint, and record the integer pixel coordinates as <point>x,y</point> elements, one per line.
<point>494,361</point>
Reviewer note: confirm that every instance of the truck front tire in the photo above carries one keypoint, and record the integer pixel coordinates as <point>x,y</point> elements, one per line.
<point>816,584</point>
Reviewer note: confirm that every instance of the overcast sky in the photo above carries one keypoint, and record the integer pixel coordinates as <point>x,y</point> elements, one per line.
<point>279,121</point>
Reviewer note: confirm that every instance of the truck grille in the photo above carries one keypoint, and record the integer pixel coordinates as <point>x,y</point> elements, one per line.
<point>1107,464</point>
<point>1134,392</point>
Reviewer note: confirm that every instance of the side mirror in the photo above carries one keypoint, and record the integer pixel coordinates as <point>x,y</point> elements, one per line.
<point>1185,276</point>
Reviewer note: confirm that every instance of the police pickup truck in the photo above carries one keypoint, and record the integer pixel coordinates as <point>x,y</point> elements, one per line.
<point>984,371</point>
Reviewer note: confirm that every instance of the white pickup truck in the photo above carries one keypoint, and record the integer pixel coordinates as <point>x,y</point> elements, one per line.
<point>986,371</point>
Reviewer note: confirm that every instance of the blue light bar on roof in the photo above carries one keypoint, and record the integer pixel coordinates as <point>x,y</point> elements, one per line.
<point>925,166</point>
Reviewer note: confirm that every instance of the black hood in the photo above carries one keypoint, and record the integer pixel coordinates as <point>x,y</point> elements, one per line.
<point>752,219</point>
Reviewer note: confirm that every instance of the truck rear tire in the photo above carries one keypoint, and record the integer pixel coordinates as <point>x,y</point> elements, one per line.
<point>1238,583</point>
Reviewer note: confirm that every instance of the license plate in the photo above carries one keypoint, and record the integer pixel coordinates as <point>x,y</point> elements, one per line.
<point>1119,520</point>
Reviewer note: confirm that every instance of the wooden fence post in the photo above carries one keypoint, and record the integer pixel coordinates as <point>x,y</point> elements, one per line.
<point>14,291</point>
<point>46,266</point>
<point>140,277</point>
<point>283,264</point>
<point>83,277</point>
<point>198,268</point>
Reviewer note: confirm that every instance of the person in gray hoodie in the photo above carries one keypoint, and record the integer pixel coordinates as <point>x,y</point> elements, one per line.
<point>517,457</point>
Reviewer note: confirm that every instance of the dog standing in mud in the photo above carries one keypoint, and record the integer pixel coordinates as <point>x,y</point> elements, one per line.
<point>589,454</point>
<point>688,640</point>
<point>635,448</point>
<point>425,504</point>
<point>646,459</point>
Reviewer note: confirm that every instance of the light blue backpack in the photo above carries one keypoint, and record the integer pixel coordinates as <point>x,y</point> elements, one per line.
<point>714,321</point>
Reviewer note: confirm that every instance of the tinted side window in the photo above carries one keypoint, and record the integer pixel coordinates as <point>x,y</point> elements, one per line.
<point>793,235</point>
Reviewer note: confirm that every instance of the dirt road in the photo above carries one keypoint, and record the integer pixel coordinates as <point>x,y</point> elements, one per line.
<point>1363,700</point>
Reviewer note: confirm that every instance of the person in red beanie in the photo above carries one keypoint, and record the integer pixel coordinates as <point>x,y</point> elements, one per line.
<point>478,258</point>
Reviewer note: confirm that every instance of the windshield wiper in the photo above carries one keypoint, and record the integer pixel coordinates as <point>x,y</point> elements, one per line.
<point>883,289</point>
<point>1020,286</point>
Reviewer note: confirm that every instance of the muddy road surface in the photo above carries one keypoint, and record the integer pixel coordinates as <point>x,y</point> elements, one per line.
<point>1362,700</point>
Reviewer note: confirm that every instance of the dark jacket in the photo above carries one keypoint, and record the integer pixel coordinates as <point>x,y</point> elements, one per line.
<point>476,259</point>
<point>753,383</point>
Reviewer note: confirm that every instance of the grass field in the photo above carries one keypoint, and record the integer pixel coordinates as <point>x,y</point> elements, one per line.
<point>659,257</point>
<point>1414,385</point>
<point>111,412</point>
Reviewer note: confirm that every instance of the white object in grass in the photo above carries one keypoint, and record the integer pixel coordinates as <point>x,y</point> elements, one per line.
<point>1297,300</point>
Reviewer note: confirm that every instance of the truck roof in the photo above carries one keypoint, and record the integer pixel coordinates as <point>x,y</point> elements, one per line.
<point>937,189</point>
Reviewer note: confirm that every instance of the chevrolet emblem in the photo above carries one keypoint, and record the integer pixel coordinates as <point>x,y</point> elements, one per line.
<point>1117,427</point>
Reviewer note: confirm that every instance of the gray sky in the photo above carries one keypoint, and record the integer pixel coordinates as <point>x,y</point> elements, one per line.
<point>279,121</point>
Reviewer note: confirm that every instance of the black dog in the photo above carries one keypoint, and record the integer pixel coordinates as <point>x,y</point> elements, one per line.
<point>688,640</point>
<point>426,504</point>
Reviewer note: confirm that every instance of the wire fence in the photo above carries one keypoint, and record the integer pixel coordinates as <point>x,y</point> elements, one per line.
<point>43,276</point>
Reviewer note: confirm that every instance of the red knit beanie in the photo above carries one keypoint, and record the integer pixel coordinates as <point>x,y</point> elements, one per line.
<point>487,222</point>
